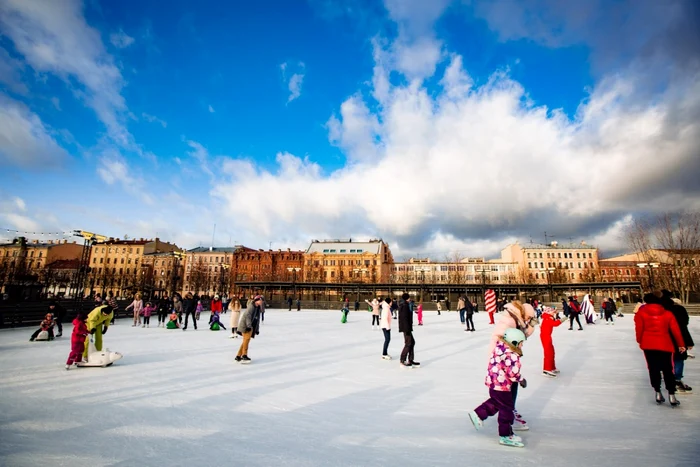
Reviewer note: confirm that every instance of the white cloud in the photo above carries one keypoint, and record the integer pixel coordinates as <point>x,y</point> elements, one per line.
<point>211,109</point>
<point>114,170</point>
<point>120,39</point>
<point>472,163</point>
<point>56,103</point>
<point>295,81</point>
<point>154,119</point>
<point>54,38</point>
<point>19,203</point>
<point>201,155</point>
<point>24,140</point>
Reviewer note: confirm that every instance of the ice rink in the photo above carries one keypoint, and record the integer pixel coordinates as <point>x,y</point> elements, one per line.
<point>318,394</point>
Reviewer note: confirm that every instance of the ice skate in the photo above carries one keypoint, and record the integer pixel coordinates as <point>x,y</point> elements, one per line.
<point>549,374</point>
<point>238,359</point>
<point>67,367</point>
<point>673,401</point>
<point>556,372</point>
<point>245,359</point>
<point>143,326</point>
<point>406,365</point>
<point>386,357</point>
<point>519,424</point>
<point>660,398</point>
<point>476,421</point>
<point>683,388</point>
<point>511,441</point>
<point>415,364</point>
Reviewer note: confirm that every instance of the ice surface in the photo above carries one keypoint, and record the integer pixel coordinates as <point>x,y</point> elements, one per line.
<point>318,394</point>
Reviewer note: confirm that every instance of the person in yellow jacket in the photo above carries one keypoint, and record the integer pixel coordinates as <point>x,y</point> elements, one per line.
<point>97,323</point>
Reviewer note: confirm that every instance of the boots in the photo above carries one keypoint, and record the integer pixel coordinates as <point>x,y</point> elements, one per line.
<point>660,398</point>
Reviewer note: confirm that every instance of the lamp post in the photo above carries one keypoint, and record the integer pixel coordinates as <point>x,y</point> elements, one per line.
<point>360,271</point>
<point>177,256</point>
<point>222,281</point>
<point>294,278</point>
<point>650,267</point>
<point>549,271</point>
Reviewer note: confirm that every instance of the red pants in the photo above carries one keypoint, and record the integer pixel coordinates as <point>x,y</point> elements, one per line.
<point>491,318</point>
<point>76,352</point>
<point>548,348</point>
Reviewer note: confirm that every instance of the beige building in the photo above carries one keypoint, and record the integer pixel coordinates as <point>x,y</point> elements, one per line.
<point>208,270</point>
<point>348,261</point>
<point>465,271</point>
<point>117,265</point>
<point>553,263</point>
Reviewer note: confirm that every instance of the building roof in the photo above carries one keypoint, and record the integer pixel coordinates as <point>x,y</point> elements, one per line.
<point>215,249</point>
<point>556,246</point>
<point>341,247</point>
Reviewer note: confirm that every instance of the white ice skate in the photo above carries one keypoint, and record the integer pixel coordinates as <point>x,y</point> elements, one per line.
<point>99,358</point>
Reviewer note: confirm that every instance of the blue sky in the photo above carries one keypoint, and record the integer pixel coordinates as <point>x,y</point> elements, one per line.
<point>440,126</point>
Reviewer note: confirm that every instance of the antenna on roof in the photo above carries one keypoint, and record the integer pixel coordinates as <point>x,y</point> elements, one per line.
<point>213,235</point>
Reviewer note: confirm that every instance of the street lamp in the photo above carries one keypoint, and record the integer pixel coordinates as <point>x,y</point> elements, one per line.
<point>222,280</point>
<point>549,281</point>
<point>649,267</point>
<point>177,255</point>
<point>294,278</point>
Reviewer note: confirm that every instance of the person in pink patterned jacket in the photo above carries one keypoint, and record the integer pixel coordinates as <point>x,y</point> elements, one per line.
<point>503,371</point>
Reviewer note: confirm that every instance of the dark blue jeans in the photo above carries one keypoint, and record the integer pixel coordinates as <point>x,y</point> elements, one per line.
<point>678,368</point>
<point>461,314</point>
<point>387,339</point>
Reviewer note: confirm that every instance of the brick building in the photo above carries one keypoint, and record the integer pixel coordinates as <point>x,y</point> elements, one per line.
<point>208,270</point>
<point>348,261</point>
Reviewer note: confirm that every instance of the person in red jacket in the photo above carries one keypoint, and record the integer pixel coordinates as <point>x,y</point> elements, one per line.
<point>549,322</point>
<point>216,305</point>
<point>77,340</point>
<point>658,335</point>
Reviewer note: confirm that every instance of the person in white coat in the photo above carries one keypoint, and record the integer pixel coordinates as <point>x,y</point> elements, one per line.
<point>385,320</point>
<point>137,306</point>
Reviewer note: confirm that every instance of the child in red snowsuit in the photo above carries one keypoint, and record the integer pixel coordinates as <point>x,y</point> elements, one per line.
<point>77,340</point>
<point>549,322</point>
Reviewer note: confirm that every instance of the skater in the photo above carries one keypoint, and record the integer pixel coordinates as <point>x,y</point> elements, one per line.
<point>419,313</point>
<point>386,327</point>
<point>189,307</point>
<point>550,320</point>
<point>59,314</point>
<point>47,325</point>
<point>469,319</point>
<point>224,303</point>
<point>462,309</point>
<point>249,327</point>
<point>503,372</point>
<point>447,304</point>
<point>406,327</point>
<point>394,308</point>
<point>520,316</point>
<point>235,317</point>
<point>565,307</point>
<point>439,307</point>
<point>198,310</point>
<point>588,309</point>
<point>289,302</point>
<point>174,322</point>
<point>574,311</point>
<point>374,306</point>
<point>177,307</point>
<point>609,310</point>
<point>681,314</point>
<point>97,323</point>
<point>77,340</point>
<point>298,304</point>
<point>214,322</point>
<point>137,306</point>
<point>357,305</point>
<point>147,312</point>
<point>344,311</point>
<point>164,306</point>
<point>657,330</point>
<point>216,306</point>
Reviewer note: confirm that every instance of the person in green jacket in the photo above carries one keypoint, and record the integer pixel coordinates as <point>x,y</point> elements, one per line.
<point>97,323</point>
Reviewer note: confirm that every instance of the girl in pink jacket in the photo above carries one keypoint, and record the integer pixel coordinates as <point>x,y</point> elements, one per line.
<point>519,316</point>
<point>147,312</point>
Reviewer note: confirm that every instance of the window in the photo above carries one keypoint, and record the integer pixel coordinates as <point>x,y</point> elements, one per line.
<point>123,250</point>
<point>131,250</point>
<point>137,251</point>
<point>528,256</point>
<point>128,270</point>
<point>121,270</point>
<point>94,260</point>
<point>325,251</point>
<point>359,251</point>
<point>101,260</point>
<point>529,264</point>
<point>540,255</point>
<point>558,255</point>
<point>571,265</point>
<point>537,275</point>
<point>578,255</point>
<point>122,261</point>
<point>352,251</point>
<point>326,274</point>
<point>627,272</point>
<point>541,265</point>
<point>332,262</point>
<point>579,265</point>
<point>107,260</point>
<point>325,262</point>
<point>573,275</point>
<point>332,251</point>
<point>602,272</point>
<point>31,254</point>
<point>590,255</point>
<point>332,273</point>
<point>342,251</point>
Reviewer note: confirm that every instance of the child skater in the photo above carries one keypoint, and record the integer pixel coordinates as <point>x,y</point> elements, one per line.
<point>174,322</point>
<point>77,340</point>
<point>550,320</point>
<point>198,311</point>
<point>419,313</point>
<point>147,312</point>
<point>46,325</point>
<point>214,319</point>
<point>503,370</point>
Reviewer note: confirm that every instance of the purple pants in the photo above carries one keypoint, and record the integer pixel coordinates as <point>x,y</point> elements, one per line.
<point>500,402</point>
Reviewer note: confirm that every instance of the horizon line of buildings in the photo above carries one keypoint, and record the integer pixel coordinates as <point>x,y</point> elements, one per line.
<point>124,266</point>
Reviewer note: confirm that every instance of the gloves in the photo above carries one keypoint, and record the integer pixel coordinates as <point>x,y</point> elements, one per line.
<point>104,330</point>
<point>93,330</point>
<point>523,383</point>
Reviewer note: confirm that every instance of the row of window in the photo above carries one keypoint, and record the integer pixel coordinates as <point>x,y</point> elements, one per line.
<point>569,265</point>
<point>342,251</point>
<point>31,253</point>
<point>116,250</point>
<point>486,268</point>
<point>566,255</point>
<point>128,261</point>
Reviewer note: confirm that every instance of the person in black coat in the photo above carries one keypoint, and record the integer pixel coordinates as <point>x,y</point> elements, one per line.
<point>189,307</point>
<point>59,314</point>
<point>406,327</point>
<point>679,358</point>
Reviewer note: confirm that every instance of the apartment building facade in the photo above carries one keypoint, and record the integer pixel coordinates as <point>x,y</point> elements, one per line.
<point>553,263</point>
<point>340,261</point>
<point>465,271</point>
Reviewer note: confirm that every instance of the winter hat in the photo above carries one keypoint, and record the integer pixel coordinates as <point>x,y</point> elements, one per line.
<point>405,296</point>
<point>549,310</point>
<point>216,297</point>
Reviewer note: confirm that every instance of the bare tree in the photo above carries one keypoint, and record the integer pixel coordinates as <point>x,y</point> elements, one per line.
<point>199,275</point>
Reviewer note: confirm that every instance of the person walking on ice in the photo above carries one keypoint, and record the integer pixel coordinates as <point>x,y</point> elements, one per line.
<point>406,327</point>
<point>374,304</point>
<point>77,341</point>
<point>249,327</point>
<point>504,370</point>
<point>386,327</point>
<point>549,322</point>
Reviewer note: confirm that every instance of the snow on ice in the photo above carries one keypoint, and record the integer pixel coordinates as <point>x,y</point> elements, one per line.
<point>318,394</point>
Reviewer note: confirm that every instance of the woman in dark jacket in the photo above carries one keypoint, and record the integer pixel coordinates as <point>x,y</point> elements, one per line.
<point>189,307</point>
<point>681,314</point>
<point>658,335</point>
